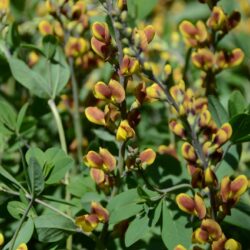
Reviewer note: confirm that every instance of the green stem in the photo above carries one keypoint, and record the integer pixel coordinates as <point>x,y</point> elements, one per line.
<point>174,188</point>
<point>13,240</point>
<point>39,201</point>
<point>76,116</point>
<point>59,125</point>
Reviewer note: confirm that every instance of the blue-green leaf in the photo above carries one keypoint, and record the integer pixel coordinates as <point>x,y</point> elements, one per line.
<point>174,228</point>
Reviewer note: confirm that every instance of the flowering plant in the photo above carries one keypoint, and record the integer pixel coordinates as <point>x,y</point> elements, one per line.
<point>124,125</point>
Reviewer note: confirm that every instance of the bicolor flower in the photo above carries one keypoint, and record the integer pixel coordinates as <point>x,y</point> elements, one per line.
<point>87,222</point>
<point>155,92</point>
<point>204,118</point>
<point>100,48</point>
<point>95,115</point>
<point>188,152</point>
<point>121,4</point>
<point>78,9</point>
<point>101,212</point>
<point>147,157</point>
<point>194,35</point>
<point>203,59</point>
<point>76,46</point>
<point>130,66</point>
<point>168,150</point>
<point>209,231</point>
<point>178,92</point>
<point>210,178</point>
<point>101,32</point>
<point>233,20</point>
<point>45,28</point>
<point>195,206</point>
<point>114,91</point>
<point>223,135</point>
<point>103,160</point>
<point>224,59</point>
<point>231,190</point>
<point>217,19</point>
<point>145,36</point>
<point>97,175</point>
<point>124,131</point>
<point>177,128</point>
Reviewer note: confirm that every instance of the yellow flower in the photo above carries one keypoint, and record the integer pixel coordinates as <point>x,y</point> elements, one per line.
<point>22,246</point>
<point>1,239</point>
<point>4,4</point>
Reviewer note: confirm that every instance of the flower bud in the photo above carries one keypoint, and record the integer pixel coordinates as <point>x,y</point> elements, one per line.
<point>177,128</point>
<point>210,178</point>
<point>217,18</point>
<point>188,152</point>
<point>45,28</point>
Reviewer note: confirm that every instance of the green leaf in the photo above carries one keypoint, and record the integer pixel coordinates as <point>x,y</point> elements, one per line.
<point>104,135</point>
<point>8,177</point>
<point>218,112</point>
<point>230,162</point>
<point>30,79</point>
<point>47,78</point>
<point>174,228</point>
<point>49,46</point>
<point>55,163</point>
<point>55,71</point>
<point>138,8</point>
<point>124,212</point>
<point>157,213</point>
<point>236,104</point>
<point>7,116</point>
<point>35,177</point>
<point>16,209</point>
<point>61,161</point>
<point>239,219</point>
<point>13,37</point>
<point>136,230</point>
<point>52,228</point>
<point>24,235</point>
<point>127,197</point>
<point>86,183</point>
<point>20,116</point>
<point>241,128</point>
